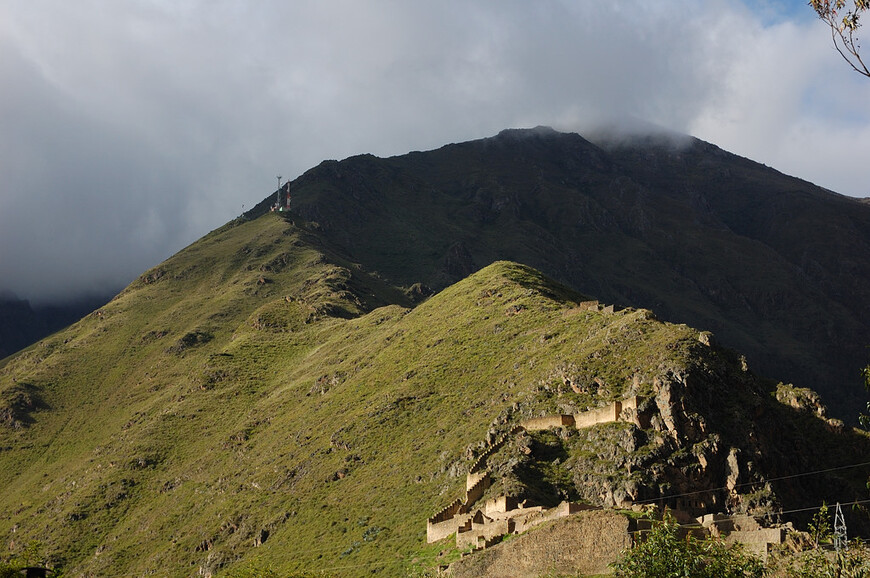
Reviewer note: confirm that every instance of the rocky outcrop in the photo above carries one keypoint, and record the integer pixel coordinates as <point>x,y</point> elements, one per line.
<point>705,438</point>
<point>17,404</point>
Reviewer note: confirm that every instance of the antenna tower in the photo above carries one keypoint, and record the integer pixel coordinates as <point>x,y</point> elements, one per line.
<point>841,539</point>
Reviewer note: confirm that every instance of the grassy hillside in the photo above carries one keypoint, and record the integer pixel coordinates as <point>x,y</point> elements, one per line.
<point>777,267</point>
<point>257,400</point>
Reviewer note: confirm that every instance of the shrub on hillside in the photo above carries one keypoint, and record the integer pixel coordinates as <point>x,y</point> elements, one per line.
<point>664,554</point>
<point>851,563</point>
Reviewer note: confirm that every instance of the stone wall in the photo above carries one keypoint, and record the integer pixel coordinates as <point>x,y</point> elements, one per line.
<point>499,504</point>
<point>631,413</point>
<point>476,491</point>
<point>525,519</point>
<point>582,544</point>
<point>528,518</point>
<point>630,403</point>
<point>757,541</point>
<point>472,479</point>
<point>480,463</point>
<point>439,530</point>
<point>455,517</point>
<point>606,414</point>
<point>482,534</point>
<point>548,421</point>
<point>624,410</point>
<point>447,512</point>
<point>445,522</point>
<point>595,306</point>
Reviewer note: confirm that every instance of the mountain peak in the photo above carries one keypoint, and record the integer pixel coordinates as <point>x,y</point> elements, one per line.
<point>538,131</point>
<point>700,235</point>
<point>288,389</point>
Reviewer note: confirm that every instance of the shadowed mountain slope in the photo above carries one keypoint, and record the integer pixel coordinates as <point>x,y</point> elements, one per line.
<point>22,324</point>
<point>777,267</point>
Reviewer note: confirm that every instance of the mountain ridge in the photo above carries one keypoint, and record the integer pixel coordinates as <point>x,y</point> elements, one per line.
<point>677,225</point>
<point>319,434</point>
<point>273,397</point>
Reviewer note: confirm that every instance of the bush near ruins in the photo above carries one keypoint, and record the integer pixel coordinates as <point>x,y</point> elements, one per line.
<point>665,554</point>
<point>851,563</point>
<point>31,555</point>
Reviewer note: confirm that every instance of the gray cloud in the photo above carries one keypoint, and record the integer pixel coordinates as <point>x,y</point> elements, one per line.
<point>129,129</point>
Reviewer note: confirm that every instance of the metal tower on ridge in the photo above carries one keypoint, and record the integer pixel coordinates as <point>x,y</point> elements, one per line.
<point>841,539</point>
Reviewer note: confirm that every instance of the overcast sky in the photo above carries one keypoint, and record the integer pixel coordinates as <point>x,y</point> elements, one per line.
<point>130,128</point>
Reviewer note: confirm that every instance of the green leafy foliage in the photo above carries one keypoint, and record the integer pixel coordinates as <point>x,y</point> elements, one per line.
<point>665,553</point>
<point>820,526</point>
<point>31,555</point>
<point>853,562</point>
<point>844,19</point>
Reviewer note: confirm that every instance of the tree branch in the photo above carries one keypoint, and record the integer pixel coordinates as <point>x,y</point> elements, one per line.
<point>843,30</point>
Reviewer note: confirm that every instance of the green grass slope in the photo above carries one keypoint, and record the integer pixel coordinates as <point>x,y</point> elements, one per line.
<point>258,401</point>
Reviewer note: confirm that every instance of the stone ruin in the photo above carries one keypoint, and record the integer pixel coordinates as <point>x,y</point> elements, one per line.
<point>481,525</point>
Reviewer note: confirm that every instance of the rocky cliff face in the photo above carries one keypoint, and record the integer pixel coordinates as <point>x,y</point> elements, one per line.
<point>709,436</point>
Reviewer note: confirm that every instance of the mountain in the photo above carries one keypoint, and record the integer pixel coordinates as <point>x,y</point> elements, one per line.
<point>22,324</point>
<point>280,394</point>
<point>776,267</point>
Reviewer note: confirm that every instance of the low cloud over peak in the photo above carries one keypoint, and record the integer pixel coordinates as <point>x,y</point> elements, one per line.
<point>128,130</point>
